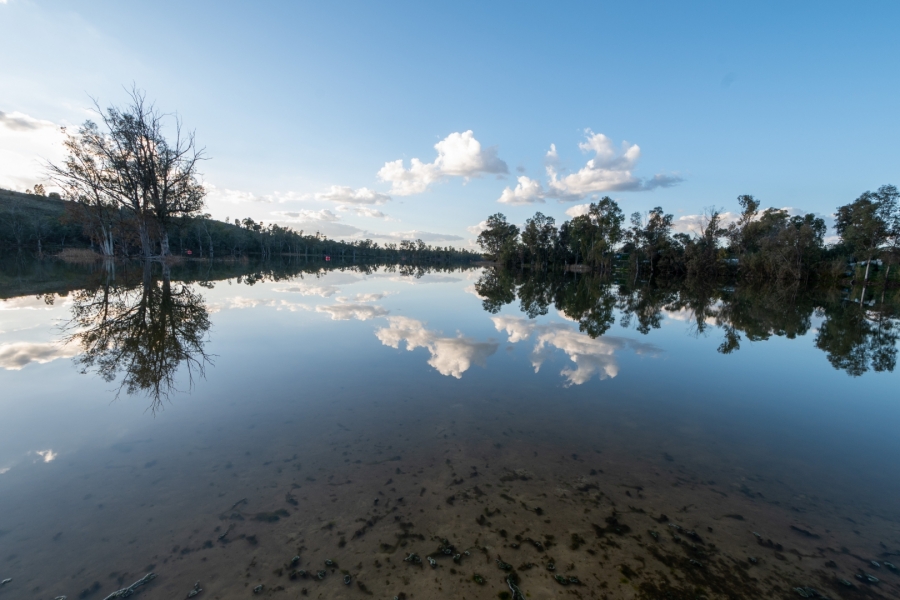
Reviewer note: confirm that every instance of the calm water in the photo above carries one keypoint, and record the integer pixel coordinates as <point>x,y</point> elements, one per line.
<point>701,443</point>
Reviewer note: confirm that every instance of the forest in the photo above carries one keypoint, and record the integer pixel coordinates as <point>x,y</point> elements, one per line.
<point>755,245</point>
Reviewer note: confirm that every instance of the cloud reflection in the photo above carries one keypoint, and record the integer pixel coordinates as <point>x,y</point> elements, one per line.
<point>348,311</point>
<point>47,455</point>
<point>449,356</point>
<point>13,357</point>
<point>592,356</point>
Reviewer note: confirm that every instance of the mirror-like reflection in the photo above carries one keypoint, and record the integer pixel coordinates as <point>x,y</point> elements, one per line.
<point>639,440</point>
<point>144,333</point>
<point>857,337</point>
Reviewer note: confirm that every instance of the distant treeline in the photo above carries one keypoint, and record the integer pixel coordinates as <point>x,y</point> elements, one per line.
<point>39,224</point>
<point>131,188</point>
<point>768,244</point>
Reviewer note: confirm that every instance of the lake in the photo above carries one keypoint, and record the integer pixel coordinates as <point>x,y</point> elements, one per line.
<point>423,432</point>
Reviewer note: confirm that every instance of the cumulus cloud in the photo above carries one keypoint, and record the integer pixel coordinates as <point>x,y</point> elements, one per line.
<point>527,191</point>
<point>309,216</point>
<point>578,210</point>
<point>347,195</point>
<point>363,211</point>
<point>25,144</point>
<point>324,221</point>
<point>459,155</point>
<point>592,356</point>
<point>609,169</point>
<point>449,356</point>
<point>215,195</point>
<point>14,357</point>
<point>348,311</point>
<point>476,229</point>
<point>17,121</point>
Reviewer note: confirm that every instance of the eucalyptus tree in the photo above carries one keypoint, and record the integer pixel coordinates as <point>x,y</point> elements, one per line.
<point>650,237</point>
<point>130,164</point>
<point>870,224</point>
<point>539,235</point>
<point>499,238</point>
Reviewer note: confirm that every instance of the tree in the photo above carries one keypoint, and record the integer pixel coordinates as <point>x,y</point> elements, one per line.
<point>870,223</point>
<point>539,236</point>
<point>133,166</point>
<point>499,237</point>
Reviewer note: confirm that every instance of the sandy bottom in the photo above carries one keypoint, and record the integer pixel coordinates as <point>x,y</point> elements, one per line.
<point>564,508</point>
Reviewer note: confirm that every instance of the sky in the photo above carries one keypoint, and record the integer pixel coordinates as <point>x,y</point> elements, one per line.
<point>403,120</point>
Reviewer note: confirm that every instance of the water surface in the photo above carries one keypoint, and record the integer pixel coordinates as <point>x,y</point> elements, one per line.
<point>212,424</point>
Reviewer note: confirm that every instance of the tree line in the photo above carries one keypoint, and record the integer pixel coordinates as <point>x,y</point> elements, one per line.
<point>759,245</point>
<point>129,190</point>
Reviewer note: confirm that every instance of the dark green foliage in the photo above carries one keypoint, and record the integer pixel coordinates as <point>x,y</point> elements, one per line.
<point>759,245</point>
<point>857,336</point>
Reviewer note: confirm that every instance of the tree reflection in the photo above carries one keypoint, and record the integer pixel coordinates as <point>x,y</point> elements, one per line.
<point>143,332</point>
<point>856,337</point>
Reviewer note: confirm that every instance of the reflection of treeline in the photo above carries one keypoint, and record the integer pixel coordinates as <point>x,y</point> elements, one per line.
<point>144,324</point>
<point>768,244</point>
<point>56,277</point>
<point>856,336</point>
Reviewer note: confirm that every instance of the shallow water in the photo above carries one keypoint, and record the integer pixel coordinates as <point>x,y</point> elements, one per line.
<point>359,417</point>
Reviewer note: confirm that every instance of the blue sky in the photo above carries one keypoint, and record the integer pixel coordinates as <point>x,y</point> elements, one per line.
<point>795,103</point>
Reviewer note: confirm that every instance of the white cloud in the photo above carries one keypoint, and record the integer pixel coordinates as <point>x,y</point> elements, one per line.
<point>47,455</point>
<point>310,289</point>
<point>347,195</point>
<point>240,302</point>
<point>449,356</point>
<point>415,234</point>
<point>324,221</point>
<point>476,229</point>
<point>364,211</point>
<point>459,155</point>
<point>578,210</point>
<point>25,144</point>
<point>527,191</point>
<point>215,195</point>
<point>363,297</point>
<point>592,356</point>
<point>309,216</point>
<point>695,224</point>
<point>608,170</point>
<point>13,357</point>
<point>4,469</point>
<point>346,312</point>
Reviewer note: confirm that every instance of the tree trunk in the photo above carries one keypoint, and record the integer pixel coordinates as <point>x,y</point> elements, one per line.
<point>164,244</point>
<point>145,239</point>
